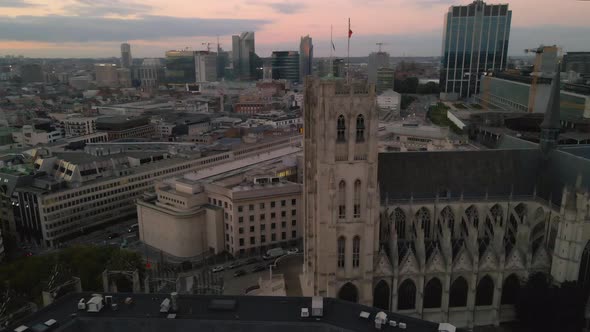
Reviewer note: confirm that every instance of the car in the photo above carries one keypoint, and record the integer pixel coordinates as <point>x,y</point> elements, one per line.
<point>234,265</point>
<point>252,260</point>
<point>292,251</point>
<point>133,228</point>
<point>260,267</point>
<point>113,236</point>
<point>218,269</point>
<point>239,273</point>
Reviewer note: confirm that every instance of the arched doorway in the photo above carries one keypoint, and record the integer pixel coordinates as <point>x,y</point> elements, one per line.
<point>348,292</point>
<point>510,290</point>
<point>458,293</point>
<point>485,291</point>
<point>381,295</point>
<point>407,295</point>
<point>433,293</point>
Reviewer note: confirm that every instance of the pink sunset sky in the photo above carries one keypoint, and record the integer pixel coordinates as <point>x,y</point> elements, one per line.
<point>95,28</point>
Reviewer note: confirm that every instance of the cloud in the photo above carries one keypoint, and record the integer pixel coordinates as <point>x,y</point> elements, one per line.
<point>16,4</point>
<point>106,7</point>
<point>280,7</point>
<point>286,7</point>
<point>59,28</point>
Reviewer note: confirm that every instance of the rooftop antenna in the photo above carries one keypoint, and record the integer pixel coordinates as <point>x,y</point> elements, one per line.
<point>380,44</point>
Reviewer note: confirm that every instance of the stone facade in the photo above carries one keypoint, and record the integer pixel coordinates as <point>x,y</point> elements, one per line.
<point>441,236</point>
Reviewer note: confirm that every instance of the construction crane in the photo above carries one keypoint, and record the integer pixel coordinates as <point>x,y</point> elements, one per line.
<point>208,46</point>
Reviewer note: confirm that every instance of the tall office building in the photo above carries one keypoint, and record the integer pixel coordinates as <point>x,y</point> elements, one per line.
<point>475,39</point>
<point>205,66</point>
<point>377,60</point>
<point>106,75</point>
<point>385,79</point>
<point>244,56</point>
<point>126,60</point>
<point>578,62</point>
<point>305,57</point>
<point>180,67</point>
<point>150,73</point>
<point>285,65</point>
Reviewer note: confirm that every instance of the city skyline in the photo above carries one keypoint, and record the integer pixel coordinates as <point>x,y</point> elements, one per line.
<point>39,28</point>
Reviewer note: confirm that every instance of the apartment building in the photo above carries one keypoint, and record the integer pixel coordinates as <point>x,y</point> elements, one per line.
<point>80,126</point>
<point>73,192</point>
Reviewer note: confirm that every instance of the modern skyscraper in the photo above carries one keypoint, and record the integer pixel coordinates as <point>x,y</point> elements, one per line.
<point>305,57</point>
<point>377,60</point>
<point>475,39</point>
<point>578,62</point>
<point>244,56</point>
<point>180,67</point>
<point>285,65</point>
<point>205,66</point>
<point>126,60</point>
<point>385,79</point>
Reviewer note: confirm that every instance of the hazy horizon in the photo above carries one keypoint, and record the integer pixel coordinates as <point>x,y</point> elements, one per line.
<point>94,29</point>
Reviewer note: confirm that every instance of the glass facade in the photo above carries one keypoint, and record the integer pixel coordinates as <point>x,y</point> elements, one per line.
<point>285,65</point>
<point>180,67</point>
<point>305,57</point>
<point>475,39</point>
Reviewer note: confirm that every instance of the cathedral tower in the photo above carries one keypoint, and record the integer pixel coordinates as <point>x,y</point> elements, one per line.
<point>341,195</point>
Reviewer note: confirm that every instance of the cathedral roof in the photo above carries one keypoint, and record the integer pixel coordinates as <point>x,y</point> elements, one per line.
<point>456,173</point>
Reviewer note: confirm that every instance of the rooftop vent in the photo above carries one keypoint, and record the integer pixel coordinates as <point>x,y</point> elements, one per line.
<point>317,306</point>
<point>165,305</point>
<point>380,320</point>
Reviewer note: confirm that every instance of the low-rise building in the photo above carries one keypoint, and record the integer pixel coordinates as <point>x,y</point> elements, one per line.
<point>412,137</point>
<point>80,126</point>
<point>72,192</point>
<point>389,100</point>
<point>242,214</point>
<point>29,135</point>
<point>123,127</point>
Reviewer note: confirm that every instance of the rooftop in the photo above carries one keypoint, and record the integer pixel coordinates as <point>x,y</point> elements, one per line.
<point>216,313</point>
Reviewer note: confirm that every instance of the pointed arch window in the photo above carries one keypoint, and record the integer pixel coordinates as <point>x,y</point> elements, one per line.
<point>341,129</point>
<point>360,128</point>
<point>356,251</point>
<point>341,251</point>
<point>357,199</point>
<point>400,223</point>
<point>342,200</point>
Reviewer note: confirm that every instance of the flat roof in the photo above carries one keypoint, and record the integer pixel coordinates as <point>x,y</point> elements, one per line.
<point>214,313</point>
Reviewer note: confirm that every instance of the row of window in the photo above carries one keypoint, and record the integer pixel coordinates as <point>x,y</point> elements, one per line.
<point>273,238</point>
<point>262,226</point>
<point>356,249</point>
<point>342,199</point>
<point>263,205</point>
<point>341,129</point>
<point>273,215</point>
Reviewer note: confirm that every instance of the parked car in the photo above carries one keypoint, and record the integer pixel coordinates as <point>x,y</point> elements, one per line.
<point>252,260</point>
<point>133,228</point>
<point>239,273</point>
<point>113,236</point>
<point>274,253</point>
<point>260,267</point>
<point>292,251</point>
<point>218,269</point>
<point>234,265</point>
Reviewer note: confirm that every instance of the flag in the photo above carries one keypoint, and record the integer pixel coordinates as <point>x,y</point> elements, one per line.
<point>333,47</point>
<point>349,31</point>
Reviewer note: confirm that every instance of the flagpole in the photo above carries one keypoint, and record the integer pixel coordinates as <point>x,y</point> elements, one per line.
<point>348,53</point>
<point>331,49</point>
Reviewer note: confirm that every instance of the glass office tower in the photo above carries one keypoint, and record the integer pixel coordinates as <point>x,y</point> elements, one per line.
<point>180,67</point>
<point>475,40</point>
<point>285,65</point>
<point>305,57</point>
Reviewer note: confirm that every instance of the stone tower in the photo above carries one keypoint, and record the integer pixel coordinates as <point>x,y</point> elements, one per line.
<point>550,126</point>
<point>341,195</point>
